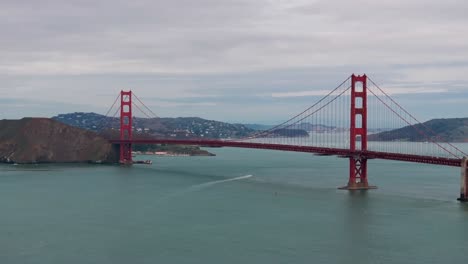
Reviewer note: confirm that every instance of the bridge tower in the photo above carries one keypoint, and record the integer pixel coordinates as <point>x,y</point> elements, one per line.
<point>464,181</point>
<point>126,127</point>
<point>358,135</point>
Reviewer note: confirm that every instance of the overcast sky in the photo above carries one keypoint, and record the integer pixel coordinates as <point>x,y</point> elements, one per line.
<point>231,60</point>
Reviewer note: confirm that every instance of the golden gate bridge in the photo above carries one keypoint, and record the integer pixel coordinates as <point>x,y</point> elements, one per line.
<point>343,123</point>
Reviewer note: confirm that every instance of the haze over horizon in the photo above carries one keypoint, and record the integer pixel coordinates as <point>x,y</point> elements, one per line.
<point>229,60</point>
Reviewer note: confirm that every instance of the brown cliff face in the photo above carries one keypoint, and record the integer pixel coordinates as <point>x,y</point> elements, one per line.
<point>43,140</point>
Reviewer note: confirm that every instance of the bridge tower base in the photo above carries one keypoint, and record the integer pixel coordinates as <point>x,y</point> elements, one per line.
<point>358,135</point>
<point>464,181</point>
<point>357,175</point>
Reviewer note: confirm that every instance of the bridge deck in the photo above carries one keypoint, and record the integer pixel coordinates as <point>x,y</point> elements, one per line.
<point>308,149</point>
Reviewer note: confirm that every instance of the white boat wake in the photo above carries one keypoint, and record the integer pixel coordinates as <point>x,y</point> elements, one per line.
<point>199,187</point>
<point>208,184</point>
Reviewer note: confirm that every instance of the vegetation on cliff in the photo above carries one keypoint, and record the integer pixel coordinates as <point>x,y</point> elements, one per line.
<point>43,140</point>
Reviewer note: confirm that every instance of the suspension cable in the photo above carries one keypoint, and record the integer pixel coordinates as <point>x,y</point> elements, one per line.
<point>261,133</point>
<point>404,110</point>
<point>136,97</point>
<point>411,125</point>
<point>144,113</point>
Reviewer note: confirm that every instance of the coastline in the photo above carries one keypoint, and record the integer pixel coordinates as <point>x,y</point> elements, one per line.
<point>171,154</point>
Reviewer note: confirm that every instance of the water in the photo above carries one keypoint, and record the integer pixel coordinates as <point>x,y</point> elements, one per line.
<point>242,206</point>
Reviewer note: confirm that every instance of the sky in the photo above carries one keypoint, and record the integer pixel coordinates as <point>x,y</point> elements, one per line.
<point>242,61</point>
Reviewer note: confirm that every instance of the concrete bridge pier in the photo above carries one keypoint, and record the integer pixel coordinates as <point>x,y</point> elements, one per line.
<point>464,181</point>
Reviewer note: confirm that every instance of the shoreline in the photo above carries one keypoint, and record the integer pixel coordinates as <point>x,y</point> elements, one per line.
<point>167,154</point>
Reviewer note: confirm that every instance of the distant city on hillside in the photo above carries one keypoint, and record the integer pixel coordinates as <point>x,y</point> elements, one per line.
<point>452,129</point>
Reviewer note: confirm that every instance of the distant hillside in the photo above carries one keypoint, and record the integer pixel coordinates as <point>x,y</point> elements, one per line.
<point>181,127</point>
<point>316,127</point>
<point>301,126</point>
<point>450,129</point>
<point>43,140</point>
<point>258,126</point>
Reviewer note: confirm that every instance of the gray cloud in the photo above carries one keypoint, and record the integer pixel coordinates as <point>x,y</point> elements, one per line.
<point>198,56</point>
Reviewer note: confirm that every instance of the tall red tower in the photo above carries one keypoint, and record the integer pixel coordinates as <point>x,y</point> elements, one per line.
<point>126,127</point>
<point>358,135</point>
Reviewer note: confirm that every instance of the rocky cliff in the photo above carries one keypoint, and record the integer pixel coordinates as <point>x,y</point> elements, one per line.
<point>43,140</point>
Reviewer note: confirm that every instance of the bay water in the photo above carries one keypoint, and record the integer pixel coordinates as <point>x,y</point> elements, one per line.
<point>241,206</point>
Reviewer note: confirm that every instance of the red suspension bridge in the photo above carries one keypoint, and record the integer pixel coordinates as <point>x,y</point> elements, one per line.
<point>346,122</point>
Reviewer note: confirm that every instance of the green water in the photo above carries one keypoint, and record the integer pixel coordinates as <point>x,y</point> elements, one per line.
<point>182,210</point>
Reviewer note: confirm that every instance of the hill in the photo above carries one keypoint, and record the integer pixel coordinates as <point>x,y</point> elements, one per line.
<point>43,140</point>
<point>449,129</point>
<point>181,127</point>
